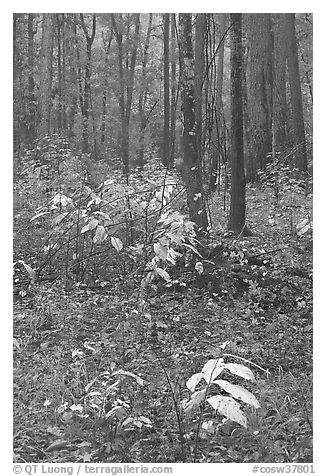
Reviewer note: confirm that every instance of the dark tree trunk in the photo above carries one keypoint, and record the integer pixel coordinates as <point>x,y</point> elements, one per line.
<point>46,74</point>
<point>87,83</point>
<point>199,69</point>
<point>173,88</point>
<point>279,91</point>
<point>32,105</point>
<point>191,168</point>
<point>166,88</point>
<point>238,199</point>
<point>220,126</point>
<point>296,96</point>
<point>105,87</point>
<point>143,119</point>
<point>126,83</point>
<point>259,93</point>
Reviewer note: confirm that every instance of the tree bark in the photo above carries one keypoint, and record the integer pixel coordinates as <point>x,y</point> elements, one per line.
<point>191,168</point>
<point>46,74</point>
<point>166,89</point>
<point>173,88</point>
<point>143,97</point>
<point>238,198</point>
<point>87,81</point>
<point>279,90</point>
<point>296,95</point>
<point>199,69</point>
<point>259,93</point>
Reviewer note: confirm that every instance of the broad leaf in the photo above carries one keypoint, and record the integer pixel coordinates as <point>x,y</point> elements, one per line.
<point>194,380</point>
<point>163,274</point>
<point>229,408</point>
<point>195,400</point>
<point>116,243</point>
<point>139,380</point>
<point>212,369</point>
<point>100,234</point>
<point>241,371</point>
<point>30,271</point>
<point>238,392</point>
<point>161,251</point>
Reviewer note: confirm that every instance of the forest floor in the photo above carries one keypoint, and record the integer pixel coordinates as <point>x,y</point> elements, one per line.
<point>70,347</point>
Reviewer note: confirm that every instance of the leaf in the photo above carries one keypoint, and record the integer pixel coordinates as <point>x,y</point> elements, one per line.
<point>30,271</point>
<point>100,234</point>
<point>163,274</point>
<point>195,400</point>
<point>241,371</point>
<point>139,380</point>
<point>57,445</point>
<point>229,408</point>
<point>238,392</point>
<point>116,243</point>
<point>194,380</point>
<point>199,267</point>
<point>161,251</point>
<point>39,215</point>
<point>212,369</point>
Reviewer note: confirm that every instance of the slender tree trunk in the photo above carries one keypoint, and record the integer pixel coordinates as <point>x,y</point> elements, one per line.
<point>279,90</point>
<point>105,87</point>
<point>173,88</point>
<point>199,69</point>
<point>126,84</point>
<point>296,96</point>
<point>87,83</point>
<point>218,155</point>
<point>143,97</point>
<point>166,88</point>
<point>259,93</point>
<point>32,106</point>
<point>60,101</point>
<point>46,74</point>
<point>238,199</point>
<point>191,168</point>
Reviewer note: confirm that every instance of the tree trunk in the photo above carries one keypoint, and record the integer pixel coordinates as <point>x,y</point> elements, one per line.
<point>218,155</point>
<point>32,106</point>
<point>199,69</point>
<point>191,168</point>
<point>105,87</point>
<point>173,88</point>
<point>143,97</point>
<point>87,83</point>
<point>296,96</point>
<point>259,93</point>
<point>166,88</point>
<point>279,91</point>
<point>46,74</point>
<point>238,198</point>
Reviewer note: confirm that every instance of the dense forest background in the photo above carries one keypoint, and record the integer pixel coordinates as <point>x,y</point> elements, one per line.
<point>162,219</point>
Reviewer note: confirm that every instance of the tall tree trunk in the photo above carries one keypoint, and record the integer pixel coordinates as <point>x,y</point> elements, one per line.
<point>218,154</point>
<point>126,82</point>
<point>238,198</point>
<point>279,90</point>
<point>32,106</point>
<point>60,101</point>
<point>191,168</point>
<point>199,69</point>
<point>87,83</point>
<point>166,88</point>
<point>259,93</point>
<point>296,96</point>
<point>105,86</point>
<point>143,97</point>
<point>46,74</point>
<point>173,87</point>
